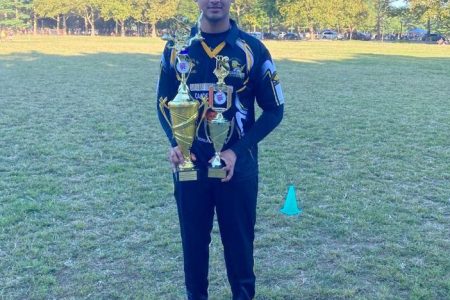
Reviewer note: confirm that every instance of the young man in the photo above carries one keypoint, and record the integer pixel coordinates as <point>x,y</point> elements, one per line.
<point>251,77</point>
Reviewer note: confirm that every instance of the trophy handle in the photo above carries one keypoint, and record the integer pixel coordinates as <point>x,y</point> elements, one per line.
<point>205,128</point>
<point>162,107</point>
<point>198,36</point>
<point>230,131</point>
<point>203,104</point>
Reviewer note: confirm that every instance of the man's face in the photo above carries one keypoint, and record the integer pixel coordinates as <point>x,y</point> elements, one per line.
<point>215,10</point>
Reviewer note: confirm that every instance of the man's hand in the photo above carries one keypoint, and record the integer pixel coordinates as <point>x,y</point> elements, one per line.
<point>176,158</point>
<point>229,157</point>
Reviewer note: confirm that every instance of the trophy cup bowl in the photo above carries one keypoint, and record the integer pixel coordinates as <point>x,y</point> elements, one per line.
<point>218,132</point>
<point>184,116</point>
<point>183,113</point>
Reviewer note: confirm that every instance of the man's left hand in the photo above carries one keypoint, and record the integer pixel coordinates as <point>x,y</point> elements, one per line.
<point>229,157</point>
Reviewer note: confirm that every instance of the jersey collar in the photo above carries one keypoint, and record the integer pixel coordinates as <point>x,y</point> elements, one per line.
<point>231,37</point>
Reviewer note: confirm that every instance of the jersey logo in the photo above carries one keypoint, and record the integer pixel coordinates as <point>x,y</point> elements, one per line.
<point>237,70</point>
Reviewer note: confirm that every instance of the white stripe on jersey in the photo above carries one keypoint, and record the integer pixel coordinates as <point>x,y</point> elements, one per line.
<point>268,67</point>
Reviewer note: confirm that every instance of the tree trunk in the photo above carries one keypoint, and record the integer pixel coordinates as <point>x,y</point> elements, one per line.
<point>351,33</point>
<point>378,23</point>
<point>93,28</point>
<point>401,30</point>
<point>85,25</point>
<point>35,24</point>
<point>64,24</point>
<point>153,33</point>
<point>58,24</point>
<point>116,28</point>
<point>122,28</point>
<point>428,26</point>
<point>311,33</point>
<point>91,20</point>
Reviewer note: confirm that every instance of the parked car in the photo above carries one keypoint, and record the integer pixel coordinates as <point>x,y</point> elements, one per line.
<point>281,35</point>
<point>432,37</point>
<point>362,36</point>
<point>256,34</point>
<point>291,36</point>
<point>269,36</point>
<point>329,35</point>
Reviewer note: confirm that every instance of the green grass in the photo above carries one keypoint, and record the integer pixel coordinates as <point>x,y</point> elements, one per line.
<point>86,206</point>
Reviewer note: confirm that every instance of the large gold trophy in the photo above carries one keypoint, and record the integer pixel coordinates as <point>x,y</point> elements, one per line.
<point>183,108</point>
<point>220,100</point>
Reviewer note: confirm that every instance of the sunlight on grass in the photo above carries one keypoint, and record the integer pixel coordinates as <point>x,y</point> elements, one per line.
<point>81,45</point>
<point>318,51</point>
<point>301,51</point>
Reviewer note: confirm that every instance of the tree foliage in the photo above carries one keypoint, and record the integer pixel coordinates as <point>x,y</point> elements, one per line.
<point>15,13</point>
<point>377,16</point>
<point>51,8</point>
<point>353,15</point>
<point>117,10</point>
<point>152,11</point>
<point>435,13</point>
<point>188,9</point>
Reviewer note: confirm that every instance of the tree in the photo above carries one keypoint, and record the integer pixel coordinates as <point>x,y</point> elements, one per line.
<point>153,11</point>
<point>250,13</point>
<point>382,11</point>
<point>242,8</point>
<point>15,13</point>
<point>118,10</point>
<point>304,13</point>
<point>353,15</point>
<point>271,11</point>
<point>88,10</point>
<point>53,9</point>
<point>433,12</point>
<point>188,9</point>
<point>400,20</point>
<point>445,17</point>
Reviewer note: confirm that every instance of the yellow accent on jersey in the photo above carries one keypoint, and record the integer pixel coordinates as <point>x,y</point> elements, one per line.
<point>212,52</point>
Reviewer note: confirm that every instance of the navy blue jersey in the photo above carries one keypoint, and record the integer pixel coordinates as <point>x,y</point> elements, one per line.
<point>253,80</point>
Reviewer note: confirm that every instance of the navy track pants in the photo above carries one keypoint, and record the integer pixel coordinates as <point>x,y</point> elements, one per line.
<point>235,205</point>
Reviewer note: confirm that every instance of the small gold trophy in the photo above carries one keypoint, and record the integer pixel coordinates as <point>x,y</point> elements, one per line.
<point>219,127</point>
<point>183,108</point>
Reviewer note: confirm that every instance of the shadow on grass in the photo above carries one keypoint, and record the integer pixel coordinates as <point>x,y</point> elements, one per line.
<point>86,204</point>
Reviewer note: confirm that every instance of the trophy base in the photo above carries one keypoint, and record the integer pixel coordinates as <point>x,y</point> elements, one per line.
<point>216,173</point>
<point>187,175</point>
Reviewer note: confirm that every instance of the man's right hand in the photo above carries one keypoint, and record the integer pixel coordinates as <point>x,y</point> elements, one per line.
<point>176,158</point>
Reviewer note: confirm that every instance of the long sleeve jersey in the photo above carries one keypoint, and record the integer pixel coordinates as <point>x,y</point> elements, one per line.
<point>252,79</point>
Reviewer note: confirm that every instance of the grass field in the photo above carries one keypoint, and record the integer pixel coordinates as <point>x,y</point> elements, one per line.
<point>86,206</point>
